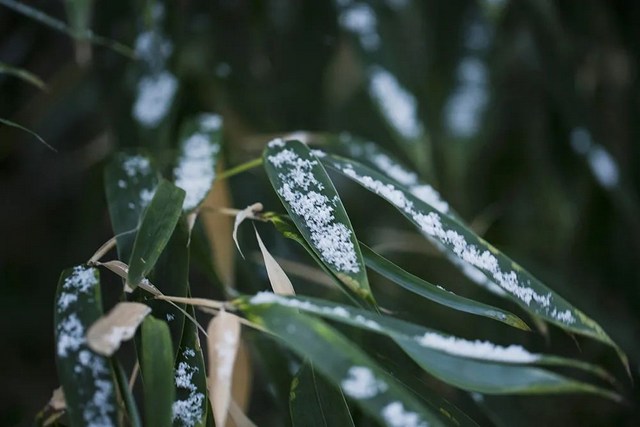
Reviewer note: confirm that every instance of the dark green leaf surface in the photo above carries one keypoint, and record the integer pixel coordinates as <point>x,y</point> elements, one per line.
<point>130,181</point>
<point>88,381</point>
<point>157,372</point>
<point>346,366</point>
<point>459,362</point>
<point>156,228</point>
<point>190,406</point>
<point>458,241</point>
<point>200,146</point>
<point>434,293</point>
<point>314,402</point>
<point>132,413</point>
<point>315,208</point>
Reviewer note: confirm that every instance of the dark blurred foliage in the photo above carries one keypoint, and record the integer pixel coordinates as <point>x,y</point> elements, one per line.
<point>518,98</point>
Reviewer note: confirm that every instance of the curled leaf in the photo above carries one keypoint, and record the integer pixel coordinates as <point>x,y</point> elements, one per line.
<point>120,324</point>
<point>279,280</point>
<point>245,213</point>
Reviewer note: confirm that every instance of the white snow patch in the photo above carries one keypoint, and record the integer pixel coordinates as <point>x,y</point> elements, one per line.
<point>154,98</point>
<point>226,349</point>
<point>361,20</point>
<point>601,162</point>
<point>476,349</point>
<point>464,109</point>
<point>153,48</point>
<point>397,416</point>
<point>360,383</point>
<point>187,412</point>
<point>302,191</point>
<point>398,106</point>
<point>70,335</point>
<point>136,165</point>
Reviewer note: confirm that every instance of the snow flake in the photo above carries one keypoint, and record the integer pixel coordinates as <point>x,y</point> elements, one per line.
<point>362,384</point>
<point>187,412</point>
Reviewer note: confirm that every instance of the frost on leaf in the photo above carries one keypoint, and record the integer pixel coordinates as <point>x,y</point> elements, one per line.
<point>304,194</point>
<point>360,19</point>
<point>361,383</point>
<point>395,415</point>
<point>187,412</point>
<point>154,98</point>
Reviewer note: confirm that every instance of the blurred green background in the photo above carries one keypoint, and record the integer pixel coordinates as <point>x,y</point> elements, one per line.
<point>531,123</point>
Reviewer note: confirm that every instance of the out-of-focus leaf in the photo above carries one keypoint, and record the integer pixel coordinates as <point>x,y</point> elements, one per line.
<point>190,406</point>
<point>457,240</point>
<point>157,225</point>
<point>79,15</point>
<point>346,366</point>
<point>120,324</point>
<point>130,181</point>
<point>471,365</point>
<point>279,280</point>
<point>222,341</point>
<point>435,293</point>
<point>200,145</point>
<point>86,377</point>
<point>157,372</point>
<point>22,74</point>
<point>22,128</point>
<point>133,415</point>
<point>315,402</point>
<point>309,196</point>
<point>245,213</point>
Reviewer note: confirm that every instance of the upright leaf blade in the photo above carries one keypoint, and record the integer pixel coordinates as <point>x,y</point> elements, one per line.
<point>458,241</point>
<point>157,225</point>
<point>315,208</point>
<point>314,402</point>
<point>87,378</point>
<point>157,372</point>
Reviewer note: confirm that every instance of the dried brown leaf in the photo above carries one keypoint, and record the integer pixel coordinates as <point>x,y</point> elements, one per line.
<point>245,213</point>
<point>120,324</point>
<point>279,280</point>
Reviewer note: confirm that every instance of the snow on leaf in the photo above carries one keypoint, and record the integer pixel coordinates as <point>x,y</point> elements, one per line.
<point>361,383</point>
<point>154,98</point>
<point>397,416</point>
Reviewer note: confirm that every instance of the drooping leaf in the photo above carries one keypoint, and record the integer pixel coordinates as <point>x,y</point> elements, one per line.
<point>472,365</point>
<point>314,402</point>
<point>346,366</point>
<point>120,324</point>
<point>200,145</point>
<point>190,406</point>
<point>245,213</point>
<point>458,241</point>
<point>87,378</point>
<point>280,282</point>
<point>222,341</point>
<point>315,208</point>
<point>157,225</point>
<point>156,363</point>
<point>130,181</point>
<point>22,74</point>
<point>29,131</point>
<point>435,293</point>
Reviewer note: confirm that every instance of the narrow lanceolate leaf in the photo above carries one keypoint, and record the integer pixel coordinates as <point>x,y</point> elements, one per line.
<point>200,143</point>
<point>315,208</point>
<point>29,131</point>
<point>190,407</point>
<point>132,414</point>
<point>158,222</point>
<point>22,74</point>
<point>436,293</point>
<point>457,240</point>
<point>120,324</point>
<point>245,213</point>
<point>130,181</point>
<point>157,372</point>
<point>86,377</point>
<point>361,379</point>
<point>315,402</point>
<point>280,282</point>
<point>471,365</point>
<point>223,341</point>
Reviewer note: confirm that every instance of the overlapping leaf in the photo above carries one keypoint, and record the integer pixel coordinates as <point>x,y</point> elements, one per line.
<point>87,378</point>
<point>315,208</point>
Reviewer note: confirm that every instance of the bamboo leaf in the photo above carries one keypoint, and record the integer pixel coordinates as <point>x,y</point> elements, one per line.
<point>107,333</point>
<point>130,181</point>
<point>245,213</point>
<point>157,372</point>
<point>315,402</point>
<point>435,293</point>
<point>223,341</point>
<point>346,366</point>
<point>29,131</point>
<point>315,208</point>
<point>190,407</point>
<point>86,377</point>
<point>471,365</point>
<point>22,74</point>
<point>279,280</point>
<point>127,396</point>
<point>195,171</point>
<point>458,241</point>
<point>157,225</point>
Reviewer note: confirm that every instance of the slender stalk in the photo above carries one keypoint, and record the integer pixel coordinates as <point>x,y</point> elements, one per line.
<point>238,169</point>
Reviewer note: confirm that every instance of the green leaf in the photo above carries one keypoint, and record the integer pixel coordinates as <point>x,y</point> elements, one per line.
<point>158,222</point>
<point>309,196</point>
<point>79,15</point>
<point>459,242</point>
<point>29,131</point>
<point>190,405</point>
<point>133,415</point>
<point>157,372</point>
<point>361,379</point>
<point>86,377</point>
<point>195,171</point>
<point>437,294</point>
<point>130,181</point>
<point>22,74</point>
<point>315,402</point>
<point>470,365</point>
